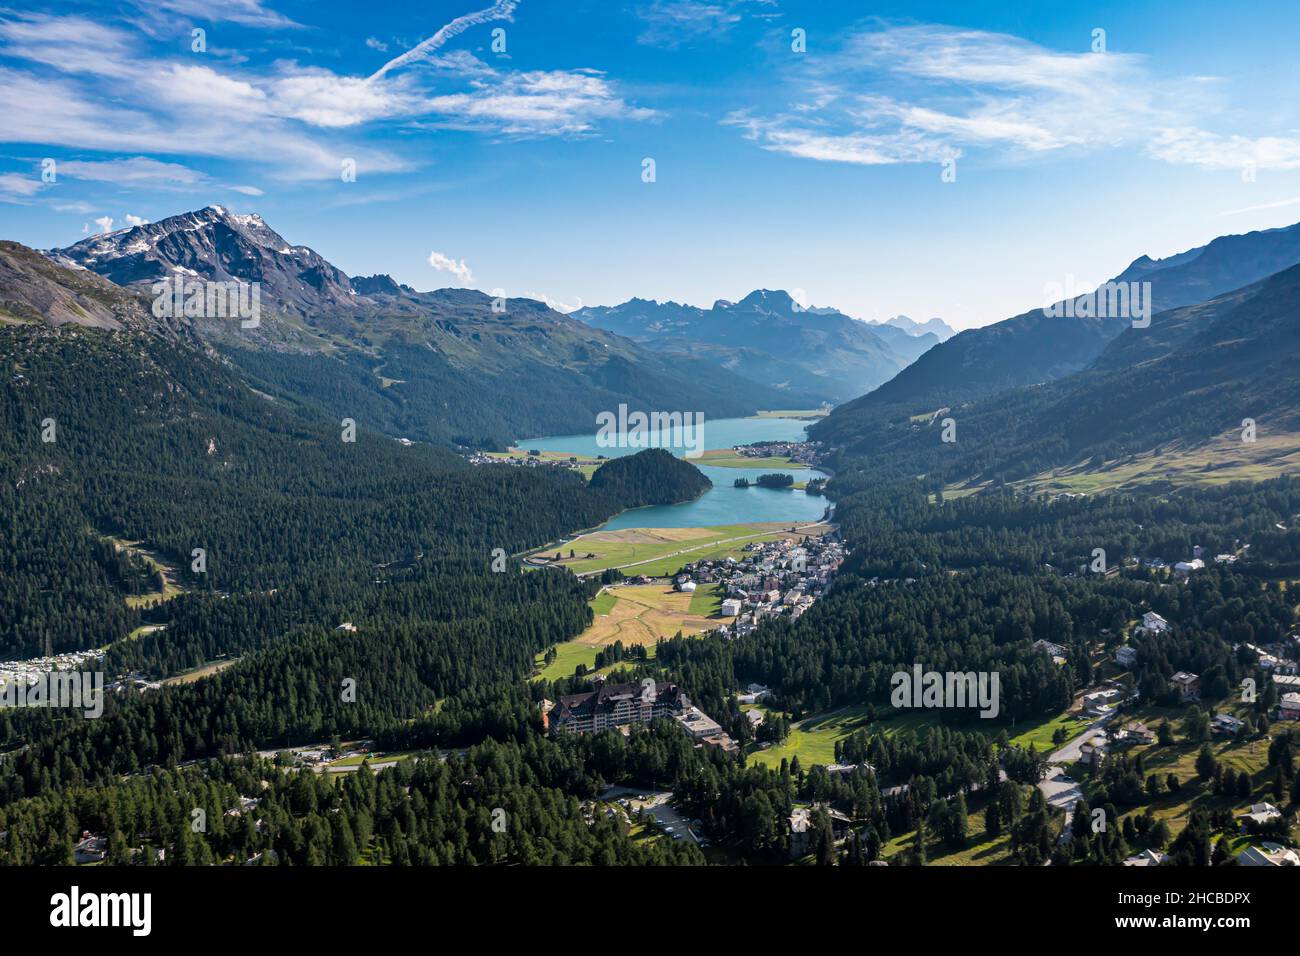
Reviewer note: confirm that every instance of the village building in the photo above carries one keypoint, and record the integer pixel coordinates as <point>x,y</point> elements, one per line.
<point>1152,623</point>
<point>1268,854</point>
<point>616,705</point>
<point>1188,685</point>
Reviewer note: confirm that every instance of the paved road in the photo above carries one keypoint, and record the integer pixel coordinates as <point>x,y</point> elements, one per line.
<point>1059,791</point>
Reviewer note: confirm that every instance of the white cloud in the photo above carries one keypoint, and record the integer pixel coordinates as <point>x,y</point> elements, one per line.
<point>951,90</point>
<point>1191,146</point>
<point>135,171</point>
<point>105,223</point>
<point>250,13</point>
<point>555,304</point>
<point>556,102</point>
<point>287,116</point>
<point>447,264</point>
<point>322,98</point>
<point>16,185</point>
<point>134,220</point>
<point>375,43</point>
<point>71,44</point>
<point>862,149</point>
<point>248,190</point>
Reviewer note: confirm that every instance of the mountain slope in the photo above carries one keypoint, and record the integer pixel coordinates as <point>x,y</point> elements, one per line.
<point>1033,347</point>
<point>1179,389</point>
<point>767,337</point>
<point>33,289</point>
<point>442,366</point>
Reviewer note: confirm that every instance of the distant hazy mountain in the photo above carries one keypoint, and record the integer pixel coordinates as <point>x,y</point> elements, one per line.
<point>441,366</point>
<point>938,326</point>
<point>768,338</point>
<point>1033,347</point>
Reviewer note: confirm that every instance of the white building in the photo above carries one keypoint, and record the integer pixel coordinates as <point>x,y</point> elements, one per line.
<point>1153,623</point>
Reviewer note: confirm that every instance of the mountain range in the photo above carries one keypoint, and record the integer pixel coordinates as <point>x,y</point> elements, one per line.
<point>1034,347</point>
<point>1210,389</point>
<point>767,336</point>
<point>449,366</point>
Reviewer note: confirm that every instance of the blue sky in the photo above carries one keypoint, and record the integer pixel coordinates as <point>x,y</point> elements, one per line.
<point>522,169</point>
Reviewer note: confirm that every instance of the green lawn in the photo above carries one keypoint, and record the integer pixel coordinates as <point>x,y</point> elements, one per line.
<point>707,600</point>
<point>1040,734</point>
<point>661,551</point>
<point>813,739</point>
<point>567,657</point>
<point>603,603</point>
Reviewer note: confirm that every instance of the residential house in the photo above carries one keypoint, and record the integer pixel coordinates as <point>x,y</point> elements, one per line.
<point>1289,707</point>
<point>1126,656</point>
<point>1147,858</point>
<point>1262,813</point>
<point>1268,854</point>
<point>1152,623</point>
<point>1093,752</point>
<point>1136,733</point>
<point>1227,724</point>
<point>1187,685</point>
<point>90,848</point>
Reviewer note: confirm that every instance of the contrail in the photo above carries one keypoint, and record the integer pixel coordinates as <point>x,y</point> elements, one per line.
<point>501,10</point>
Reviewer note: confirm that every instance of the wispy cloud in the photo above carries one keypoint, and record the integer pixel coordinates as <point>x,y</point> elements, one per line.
<point>1263,207</point>
<point>17,186</point>
<point>672,23</point>
<point>501,10</point>
<point>250,13</point>
<point>302,120</point>
<point>923,93</point>
<point>1197,147</point>
<point>135,171</point>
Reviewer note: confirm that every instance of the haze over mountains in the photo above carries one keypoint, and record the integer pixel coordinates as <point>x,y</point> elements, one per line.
<point>912,327</point>
<point>768,337</point>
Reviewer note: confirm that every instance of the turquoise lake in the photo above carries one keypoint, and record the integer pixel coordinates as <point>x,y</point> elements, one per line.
<point>723,503</point>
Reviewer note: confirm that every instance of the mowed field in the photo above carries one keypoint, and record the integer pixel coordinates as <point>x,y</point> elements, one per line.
<point>585,465</point>
<point>661,551</point>
<point>636,615</point>
<point>729,458</point>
